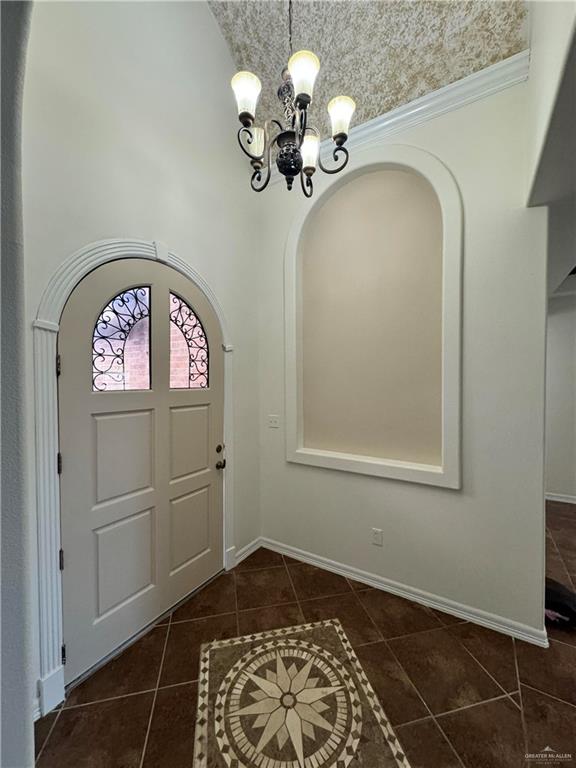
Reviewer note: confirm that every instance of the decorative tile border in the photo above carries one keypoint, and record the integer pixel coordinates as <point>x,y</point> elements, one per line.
<point>203,715</point>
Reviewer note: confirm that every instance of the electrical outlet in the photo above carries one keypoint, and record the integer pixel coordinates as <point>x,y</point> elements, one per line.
<point>273,421</point>
<point>377,537</point>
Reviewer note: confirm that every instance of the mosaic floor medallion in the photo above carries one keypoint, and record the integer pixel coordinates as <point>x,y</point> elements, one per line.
<point>290,698</point>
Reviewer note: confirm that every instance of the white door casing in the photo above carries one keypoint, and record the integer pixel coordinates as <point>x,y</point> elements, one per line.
<point>45,330</point>
<point>141,498</point>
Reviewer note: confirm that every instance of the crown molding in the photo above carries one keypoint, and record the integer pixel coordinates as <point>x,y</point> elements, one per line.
<point>479,85</point>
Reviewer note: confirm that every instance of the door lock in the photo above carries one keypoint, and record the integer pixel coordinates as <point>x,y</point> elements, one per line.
<point>221,464</point>
<point>219,448</point>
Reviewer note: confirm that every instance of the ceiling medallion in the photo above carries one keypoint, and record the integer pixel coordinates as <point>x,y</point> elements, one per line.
<point>296,144</point>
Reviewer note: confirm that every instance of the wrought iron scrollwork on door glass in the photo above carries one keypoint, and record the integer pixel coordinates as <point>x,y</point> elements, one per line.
<point>188,347</point>
<point>121,343</point>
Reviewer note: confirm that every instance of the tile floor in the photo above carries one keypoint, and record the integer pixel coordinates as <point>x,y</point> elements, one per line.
<point>459,695</point>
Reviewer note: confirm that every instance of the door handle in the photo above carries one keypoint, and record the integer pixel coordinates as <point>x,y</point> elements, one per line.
<point>221,464</point>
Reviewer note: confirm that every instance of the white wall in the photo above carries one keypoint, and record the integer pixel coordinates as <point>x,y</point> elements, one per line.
<point>129,132</point>
<point>552,26</point>
<point>481,546</point>
<point>561,397</point>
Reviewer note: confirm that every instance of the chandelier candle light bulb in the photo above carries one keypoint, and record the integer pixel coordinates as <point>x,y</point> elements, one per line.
<point>246,87</point>
<point>341,110</point>
<point>257,141</point>
<point>310,150</point>
<point>303,67</point>
<point>296,144</point>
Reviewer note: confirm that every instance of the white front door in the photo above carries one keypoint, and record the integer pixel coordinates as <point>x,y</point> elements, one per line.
<point>141,432</point>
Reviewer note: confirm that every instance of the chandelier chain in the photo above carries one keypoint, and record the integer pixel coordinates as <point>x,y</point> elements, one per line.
<point>290,26</point>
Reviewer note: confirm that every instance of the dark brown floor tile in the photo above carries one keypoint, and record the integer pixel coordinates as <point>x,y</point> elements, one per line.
<point>171,738</point>
<point>357,586</point>
<point>217,597</point>
<point>291,560</point>
<point>493,650</point>
<point>106,735</point>
<point>183,647</point>
<point>310,581</point>
<point>267,587</point>
<point>487,736</point>
<point>561,516</point>
<point>560,633</point>
<point>425,746</point>
<point>42,728</point>
<point>446,618</point>
<point>516,699</point>
<point>445,674</point>
<point>357,624</point>
<point>397,695</point>
<point>262,558</point>
<point>549,723</point>
<point>136,669</point>
<point>395,616</point>
<point>569,560</point>
<point>273,617</point>
<point>552,670</point>
<point>555,567</point>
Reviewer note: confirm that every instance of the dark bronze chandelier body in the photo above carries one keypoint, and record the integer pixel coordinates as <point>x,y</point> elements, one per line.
<point>287,141</point>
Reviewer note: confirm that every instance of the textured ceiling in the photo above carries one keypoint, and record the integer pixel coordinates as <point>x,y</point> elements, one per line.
<point>382,53</point>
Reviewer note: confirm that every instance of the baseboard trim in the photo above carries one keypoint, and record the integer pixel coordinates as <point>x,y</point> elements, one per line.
<point>51,690</point>
<point>230,558</point>
<point>475,615</point>
<point>246,551</point>
<point>564,498</point>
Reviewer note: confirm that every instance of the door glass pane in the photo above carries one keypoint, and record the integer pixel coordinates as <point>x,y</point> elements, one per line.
<point>121,343</point>
<point>188,347</point>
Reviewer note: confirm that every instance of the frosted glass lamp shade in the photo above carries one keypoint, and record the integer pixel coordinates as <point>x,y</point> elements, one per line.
<point>341,110</point>
<point>257,146</point>
<point>309,151</point>
<point>246,87</point>
<point>303,67</point>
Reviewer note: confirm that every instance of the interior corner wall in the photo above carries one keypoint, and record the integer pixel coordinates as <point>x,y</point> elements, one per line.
<point>129,132</point>
<point>552,28</point>
<point>481,546</point>
<point>561,398</point>
<point>17,681</point>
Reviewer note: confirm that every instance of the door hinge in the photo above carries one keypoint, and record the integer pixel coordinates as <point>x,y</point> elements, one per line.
<point>61,559</point>
<point>59,462</point>
<point>58,365</point>
<point>64,654</point>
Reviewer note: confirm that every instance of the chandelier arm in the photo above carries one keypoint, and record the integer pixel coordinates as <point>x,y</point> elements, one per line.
<point>337,151</point>
<point>255,181</point>
<point>307,186</point>
<point>250,138</point>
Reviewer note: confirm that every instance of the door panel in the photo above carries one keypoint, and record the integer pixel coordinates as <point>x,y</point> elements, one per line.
<point>124,559</point>
<point>186,459</point>
<point>189,528</point>
<point>141,500</point>
<point>115,476</point>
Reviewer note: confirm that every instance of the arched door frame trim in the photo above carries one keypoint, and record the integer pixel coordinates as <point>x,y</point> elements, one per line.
<point>45,330</point>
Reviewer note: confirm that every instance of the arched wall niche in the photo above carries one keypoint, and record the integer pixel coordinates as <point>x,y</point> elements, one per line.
<point>333,438</point>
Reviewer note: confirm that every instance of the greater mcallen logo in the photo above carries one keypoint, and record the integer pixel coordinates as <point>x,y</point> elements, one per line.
<point>548,756</point>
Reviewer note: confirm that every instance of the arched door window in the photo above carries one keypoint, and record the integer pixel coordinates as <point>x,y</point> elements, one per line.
<point>121,343</point>
<point>188,347</point>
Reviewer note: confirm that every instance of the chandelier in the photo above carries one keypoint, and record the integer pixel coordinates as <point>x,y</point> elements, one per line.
<point>295,143</point>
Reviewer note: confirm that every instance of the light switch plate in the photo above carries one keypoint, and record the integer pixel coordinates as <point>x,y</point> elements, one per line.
<point>273,421</point>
